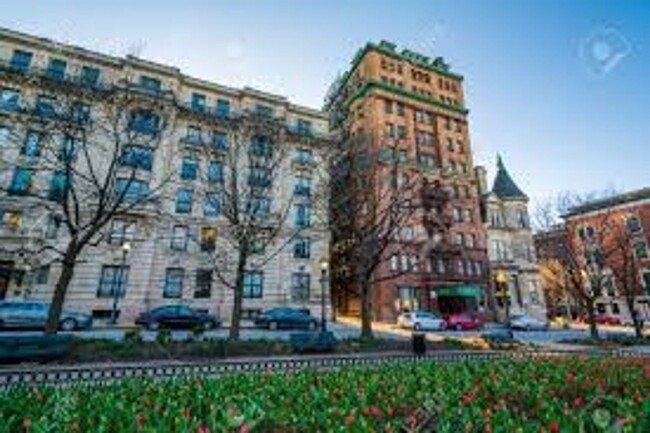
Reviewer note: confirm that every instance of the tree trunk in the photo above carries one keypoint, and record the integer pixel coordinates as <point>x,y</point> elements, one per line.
<point>238,298</point>
<point>366,310</point>
<point>591,317</point>
<point>60,290</point>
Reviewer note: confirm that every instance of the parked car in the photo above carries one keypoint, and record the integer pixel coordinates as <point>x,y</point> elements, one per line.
<point>421,320</point>
<point>606,319</point>
<point>177,316</point>
<point>527,323</point>
<point>34,315</point>
<point>464,321</point>
<point>286,318</point>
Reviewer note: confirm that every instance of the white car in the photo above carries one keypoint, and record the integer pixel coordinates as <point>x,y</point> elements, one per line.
<point>527,323</point>
<point>421,320</point>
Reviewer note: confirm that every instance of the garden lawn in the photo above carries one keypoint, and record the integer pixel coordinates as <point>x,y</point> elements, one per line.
<point>551,395</point>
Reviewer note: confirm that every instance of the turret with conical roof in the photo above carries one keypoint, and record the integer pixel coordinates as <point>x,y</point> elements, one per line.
<point>504,187</point>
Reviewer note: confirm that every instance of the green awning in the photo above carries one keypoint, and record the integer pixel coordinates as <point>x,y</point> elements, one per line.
<point>462,291</point>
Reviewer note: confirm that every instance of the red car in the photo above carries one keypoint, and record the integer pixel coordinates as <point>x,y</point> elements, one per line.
<point>606,319</point>
<point>464,321</point>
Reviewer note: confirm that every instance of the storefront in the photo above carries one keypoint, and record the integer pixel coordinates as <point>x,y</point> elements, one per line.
<point>458,298</point>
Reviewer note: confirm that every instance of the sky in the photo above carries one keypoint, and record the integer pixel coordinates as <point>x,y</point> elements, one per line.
<point>561,89</point>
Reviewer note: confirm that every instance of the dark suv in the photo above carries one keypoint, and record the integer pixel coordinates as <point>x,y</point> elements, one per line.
<point>177,316</point>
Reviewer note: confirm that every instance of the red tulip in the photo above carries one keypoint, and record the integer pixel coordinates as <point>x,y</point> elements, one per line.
<point>570,377</point>
<point>243,428</point>
<point>376,412</point>
<point>554,427</point>
<point>349,420</point>
<point>578,401</point>
<point>186,413</point>
<point>203,429</point>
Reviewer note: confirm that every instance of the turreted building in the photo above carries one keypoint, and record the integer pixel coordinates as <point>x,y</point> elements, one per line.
<point>510,246</point>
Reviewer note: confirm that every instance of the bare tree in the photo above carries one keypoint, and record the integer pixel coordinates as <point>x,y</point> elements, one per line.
<point>95,143</point>
<point>373,197</point>
<point>247,185</point>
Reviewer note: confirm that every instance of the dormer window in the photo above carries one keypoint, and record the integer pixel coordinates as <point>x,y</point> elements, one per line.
<point>56,69</point>
<point>150,83</point>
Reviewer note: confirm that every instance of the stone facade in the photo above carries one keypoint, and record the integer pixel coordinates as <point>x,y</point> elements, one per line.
<point>159,272</point>
<point>511,247</point>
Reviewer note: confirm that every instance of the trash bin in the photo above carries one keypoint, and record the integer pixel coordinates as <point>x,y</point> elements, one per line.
<point>419,343</point>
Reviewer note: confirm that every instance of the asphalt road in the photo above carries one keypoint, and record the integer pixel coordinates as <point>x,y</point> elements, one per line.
<point>342,331</point>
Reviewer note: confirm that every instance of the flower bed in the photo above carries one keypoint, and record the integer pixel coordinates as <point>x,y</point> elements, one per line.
<point>549,395</point>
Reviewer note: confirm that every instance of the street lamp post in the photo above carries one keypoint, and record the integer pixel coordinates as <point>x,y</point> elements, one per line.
<point>502,284</point>
<point>126,248</point>
<point>323,281</point>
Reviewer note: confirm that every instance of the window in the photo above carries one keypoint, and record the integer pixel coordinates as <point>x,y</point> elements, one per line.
<point>400,109</point>
<point>173,283</point>
<point>460,267</point>
<point>394,262</point>
<point>646,281</point>
<point>601,308</point>
<point>390,130</point>
<point>404,262</point>
<point>259,177</point>
<point>522,218</point>
<point>212,204</point>
<point>58,186</point>
<point>21,183</point>
<point>21,60</point>
<point>261,146</point>
<point>303,156</point>
<point>32,144</point>
<point>9,99</point>
<point>223,108</point>
<point>467,215</point>
<point>302,248</point>
<point>219,141</point>
<point>203,287</point>
<point>458,216</point>
<point>112,281</point>
<point>253,284</point>
<point>470,240</point>
<point>89,75</point>
<point>633,224</point>
<point>208,238</point>
<point>150,83</point>
<point>459,239</point>
<point>478,268</point>
<point>427,160</point>
<point>144,122</point>
<point>121,232</point>
<point>179,238</point>
<point>215,172</point>
<point>137,157</point>
<point>300,285</point>
<point>303,215</point>
<point>258,207</point>
<point>193,135</point>
<point>80,112</point>
<point>42,274</point>
<point>408,233</point>
<point>303,127</point>
<point>388,106</point>
<point>641,250</point>
<point>302,187</point>
<point>52,227</point>
<point>198,102</point>
<point>45,106</point>
<point>189,169</point>
<point>264,111</point>
<point>132,189</point>
<point>184,200</point>
<point>401,131</point>
<point>56,69</point>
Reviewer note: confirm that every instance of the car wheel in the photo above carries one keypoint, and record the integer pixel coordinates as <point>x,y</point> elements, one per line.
<point>528,328</point>
<point>273,326</point>
<point>153,326</point>
<point>442,326</point>
<point>417,327</point>
<point>312,326</point>
<point>459,327</point>
<point>68,325</point>
<point>208,324</point>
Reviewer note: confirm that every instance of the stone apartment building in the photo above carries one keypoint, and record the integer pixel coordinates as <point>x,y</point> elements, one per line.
<point>415,107</point>
<point>154,260</point>
<point>510,246</point>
